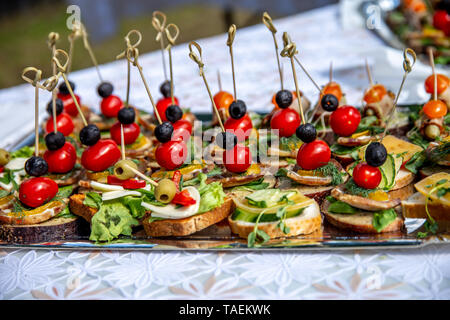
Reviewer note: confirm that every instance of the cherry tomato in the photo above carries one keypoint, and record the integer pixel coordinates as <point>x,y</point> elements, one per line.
<point>313,155</point>
<point>163,104</point>
<point>334,89</point>
<point>366,176</point>
<point>101,155</point>
<point>223,99</point>
<point>435,109</point>
<point>35,192</point>
<point>418,6</point>
<point>238,159</point>
<point>64,124</point>
<point>172,154</point>
<point>2,168</point>
<point>69,105</point>
<point>285,121</point>
<point>441,21</point>
<point>345,120</point>
<point>375,93</point>
<point>182,123</point>
<point>62,160</point>
<point>242,127</point>
<point>130,133</point>
<point>442,83</point>
<point>111,105</point>
<point>180,132</point>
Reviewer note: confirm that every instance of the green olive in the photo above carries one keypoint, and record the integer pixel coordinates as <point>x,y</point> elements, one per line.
<point>165,191</point>
<point>122,171</point>
<point>4,157</point>
<point>432,131</point>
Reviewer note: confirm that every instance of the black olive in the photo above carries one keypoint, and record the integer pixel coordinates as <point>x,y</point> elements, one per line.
<point>163,132</point>
<point>306,132</point>
<point>126,115</point>
<point>284,98</point>
<point>165,89</point>
<point>226,140</point>
<point>55,141</point>
<point>90,135</point>
<point>329,102</point>
<point>376,154</point>
<point>105,89</point>
<point>174,113</point>
<point>59,107</point>
<point>237,109</point>
<point>63,88</point>
<point>36,166</point>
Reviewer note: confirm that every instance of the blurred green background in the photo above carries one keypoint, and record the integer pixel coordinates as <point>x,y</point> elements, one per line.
<point>25,24</point>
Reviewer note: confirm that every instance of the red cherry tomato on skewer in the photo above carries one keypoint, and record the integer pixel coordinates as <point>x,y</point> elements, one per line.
<point>285,121</point>
<point>238,159</point>
<point>69,105</point>
<point>64,124</point>
<point>62,160</point>
<point>442,83</point>
<point>366,176</point>
<point>182,129</point>
<point>172,154</point>
<point>441,21</point>
<point>101,155</point>
<point>111,105</point>
<point>345,120</point>
<point>130,133</point>
<point>313,155</point>
<point>242,127</point>
<point>35,192</point>
<point>163,104</point>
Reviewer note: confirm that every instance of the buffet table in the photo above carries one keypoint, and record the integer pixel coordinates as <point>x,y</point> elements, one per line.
<point>420,273</point>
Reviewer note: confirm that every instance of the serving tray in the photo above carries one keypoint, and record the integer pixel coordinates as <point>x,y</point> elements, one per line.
<point>219,237</point>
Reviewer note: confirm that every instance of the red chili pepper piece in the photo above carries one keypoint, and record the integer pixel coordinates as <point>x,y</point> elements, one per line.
<point>2,169</point>
<point>133,184</point>
<point>183,198</point>
<point>127,184</point>
<point>176,179</point>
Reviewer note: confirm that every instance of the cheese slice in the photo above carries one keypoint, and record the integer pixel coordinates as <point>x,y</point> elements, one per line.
<point>394,146</point>
<point>431,185</point>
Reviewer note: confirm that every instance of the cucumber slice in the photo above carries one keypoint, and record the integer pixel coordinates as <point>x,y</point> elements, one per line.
<point>388,171</point>
<point>267,198</point>
<point>245,216</point>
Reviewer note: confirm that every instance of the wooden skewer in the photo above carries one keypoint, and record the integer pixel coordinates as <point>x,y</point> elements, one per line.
<point>122,142</point>
<point>171,39</point>
<point>200,63</point>
<point>143,176</point>
<point>290,50</point>
<point>369,74</point>
<point>331,72</point>
<point>267,20</point>
<point>219,81</point>
<point>74,99</point>
<point>160,28</point>
<point>433,68</point>
<point>231,34</point>
<point>52,38</point>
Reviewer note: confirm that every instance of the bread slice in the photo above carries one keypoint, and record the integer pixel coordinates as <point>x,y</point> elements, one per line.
<point>307,222</point>
<point>414,207</point>
<point>360,222</point>
<point>77,207</point>
<point>187,226</point>
<point>50,230</point>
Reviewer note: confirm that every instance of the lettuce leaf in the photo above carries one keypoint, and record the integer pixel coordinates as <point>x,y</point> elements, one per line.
<point>113,219</point>
<point>211,195</point>
<point>134,204</point>
<point>341,207</point>
<point>24,152</point>
<point>93,200</point>
<point>382,219</point>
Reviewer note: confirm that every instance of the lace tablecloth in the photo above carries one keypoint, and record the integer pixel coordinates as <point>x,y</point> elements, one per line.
<point>372,274</point>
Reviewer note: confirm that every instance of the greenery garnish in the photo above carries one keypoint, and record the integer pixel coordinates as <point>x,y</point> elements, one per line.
<point>352,188</point>
<point>257,235</point>
<point>330,170</point>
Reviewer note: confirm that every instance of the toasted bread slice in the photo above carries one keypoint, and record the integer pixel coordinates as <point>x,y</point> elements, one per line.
<point>187,226</point>
<point>33,216</point>
<point>360,222</point>
<point>414,207</point>
<point>307,222</point>
<point>50,230</point>
<point>77,207</point>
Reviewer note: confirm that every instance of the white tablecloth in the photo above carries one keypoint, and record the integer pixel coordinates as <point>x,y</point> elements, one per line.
<point>372,274</point>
